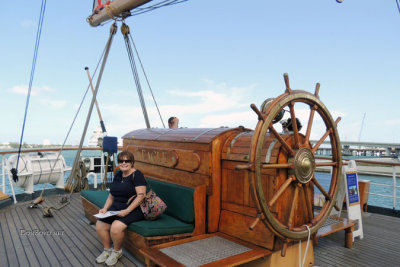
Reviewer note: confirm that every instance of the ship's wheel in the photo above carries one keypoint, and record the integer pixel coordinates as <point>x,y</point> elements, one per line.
<point>294,166</point>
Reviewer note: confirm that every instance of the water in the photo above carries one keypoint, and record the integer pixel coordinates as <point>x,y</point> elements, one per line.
<point>323,178</point>
<point>380,201</point>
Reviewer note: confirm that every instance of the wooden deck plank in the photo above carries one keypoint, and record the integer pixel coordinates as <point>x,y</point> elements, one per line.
<point>9,252</point>
<point>74,213</point>
<point>52,240</point>
<point>77,212</point>
<point>57,242</point>
<point>27,246</point>
<point>8,241</point>
<point>44,245</point>
<point>93,246</point>
<point>377,248</point>
<point>18,244</point>
<point>79,245</point>
<point>40,256</point>
<point>75,243</point>
<point>3,247</point>
<point>72,250</point>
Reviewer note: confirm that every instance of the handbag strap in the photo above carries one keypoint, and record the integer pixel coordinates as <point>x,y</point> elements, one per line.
<point>147,184</point>
<point>132,197</point>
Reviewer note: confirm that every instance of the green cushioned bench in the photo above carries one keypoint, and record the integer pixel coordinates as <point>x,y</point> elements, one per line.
<point>184,216</point>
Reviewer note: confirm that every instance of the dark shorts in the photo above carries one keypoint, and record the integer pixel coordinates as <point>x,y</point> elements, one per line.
<point>134,216</point>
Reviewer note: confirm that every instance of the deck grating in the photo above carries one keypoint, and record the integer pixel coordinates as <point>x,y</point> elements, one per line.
<point>203,251</point>
<point>79,245</point>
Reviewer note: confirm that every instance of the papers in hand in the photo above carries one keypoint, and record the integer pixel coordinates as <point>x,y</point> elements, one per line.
<point>106,214</point>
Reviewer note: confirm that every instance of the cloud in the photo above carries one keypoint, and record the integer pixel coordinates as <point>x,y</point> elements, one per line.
<point>216,98</point>
<point>27,24</point>
<point>36,90</point>
<point>393,122</point>
<point>216,105</point>
<point>233,119</point>
<point>54,103</point>
<point>46,142</point>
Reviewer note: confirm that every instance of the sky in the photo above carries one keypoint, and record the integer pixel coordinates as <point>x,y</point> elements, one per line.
<point>206,61</point>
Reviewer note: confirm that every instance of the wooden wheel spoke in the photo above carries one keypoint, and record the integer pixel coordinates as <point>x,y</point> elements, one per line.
<point>312,112</point>
<point>329,131</point>
<point>317,184</point>
<point>308,204</point>
<point>293,207</point>
<point>294,123</point>
<point>320,164</point>
<point>319,143</point>
<point>285,145</point>
<point>309,125</point>
<point>289,172</point>
<point>278,166</point>
<point>280,191</point>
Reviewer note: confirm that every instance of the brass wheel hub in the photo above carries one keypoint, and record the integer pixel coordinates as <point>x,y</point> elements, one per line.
<point>304,165</point>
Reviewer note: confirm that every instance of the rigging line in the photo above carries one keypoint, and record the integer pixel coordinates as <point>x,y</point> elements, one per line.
<point>35,53</point>
<point>71,178</point>
<point>156,6</point>
<point>139,11</point>
<point>147,80</point>
<point>398,5</point>
<point>73,122</point>
<point>137,81</point>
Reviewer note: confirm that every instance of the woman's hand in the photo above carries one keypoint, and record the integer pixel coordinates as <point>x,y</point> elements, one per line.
<point>123,213</point>
<point>103,210</point>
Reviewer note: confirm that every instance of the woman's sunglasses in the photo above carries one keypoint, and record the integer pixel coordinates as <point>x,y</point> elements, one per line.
<point>124,161</point>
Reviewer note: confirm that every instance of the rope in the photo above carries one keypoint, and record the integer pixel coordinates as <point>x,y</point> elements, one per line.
<point>305,252</point>
<point>139,10</point>
<point>72,124</point>
<point>125,32</point>
<point>71,179</point>
<point>147,80</point>
<point>109,11</point>
<point>35,54</point>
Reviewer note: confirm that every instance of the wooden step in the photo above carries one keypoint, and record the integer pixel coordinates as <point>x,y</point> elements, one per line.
<point>335,224</point>
<point>3,196</point>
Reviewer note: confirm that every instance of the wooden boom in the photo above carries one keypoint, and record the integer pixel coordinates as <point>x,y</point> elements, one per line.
<point>113,10</point>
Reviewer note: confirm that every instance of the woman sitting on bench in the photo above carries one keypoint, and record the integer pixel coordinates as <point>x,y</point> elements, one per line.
<point>127,183</point>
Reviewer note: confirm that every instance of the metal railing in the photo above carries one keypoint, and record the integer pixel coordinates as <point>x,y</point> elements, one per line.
<point>394,186</point>
<point>5,173</point>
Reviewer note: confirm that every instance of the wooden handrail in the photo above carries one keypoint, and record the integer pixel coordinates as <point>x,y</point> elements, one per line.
<point>50,149</point>
<point>366,161</point>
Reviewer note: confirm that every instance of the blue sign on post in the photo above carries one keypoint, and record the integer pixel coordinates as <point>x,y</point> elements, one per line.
<point>352,187</point>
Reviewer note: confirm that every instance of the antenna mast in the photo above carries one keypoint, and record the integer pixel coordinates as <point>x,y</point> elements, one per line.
<point>362,125</point>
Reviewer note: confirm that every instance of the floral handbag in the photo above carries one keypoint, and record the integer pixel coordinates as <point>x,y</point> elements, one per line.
<point>152,206</point>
